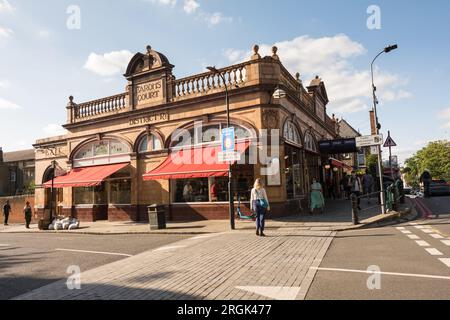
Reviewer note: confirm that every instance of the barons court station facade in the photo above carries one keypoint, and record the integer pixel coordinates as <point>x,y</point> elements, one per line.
<point>115,160</point>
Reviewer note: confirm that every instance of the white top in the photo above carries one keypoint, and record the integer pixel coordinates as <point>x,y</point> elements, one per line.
<point>258,194</point>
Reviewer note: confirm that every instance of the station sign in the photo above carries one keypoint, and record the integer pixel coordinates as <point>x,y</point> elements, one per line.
<point>369,141</point>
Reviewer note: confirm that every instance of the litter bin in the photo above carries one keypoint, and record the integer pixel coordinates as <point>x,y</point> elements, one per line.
<point>157,217</point>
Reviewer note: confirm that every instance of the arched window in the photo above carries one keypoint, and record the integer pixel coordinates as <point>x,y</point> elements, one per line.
<point>210,134</point>
<point>310,142</point>
<point>149,143</point>
<point>291,133</point>
<point>107,151</point>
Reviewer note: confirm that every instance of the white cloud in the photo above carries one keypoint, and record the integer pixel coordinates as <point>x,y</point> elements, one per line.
<point>5,6</point>
<point>4,84</point>
<point>54,130</point>
<point>214,18</point>
<point>190,6</point>
<point>5,33</point>
<point>444,113</point>
<point>8,105</point>
<point>44,34</point>
<point>170,3</point>
<point>349,89</point>
<point>446,126</point>
<point>108,64</point>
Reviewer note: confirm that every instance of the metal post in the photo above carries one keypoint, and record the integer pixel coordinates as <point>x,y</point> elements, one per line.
<point>53,190</point>
<point>230,173</point>
<point>354,200</point>
<point>375,102</point>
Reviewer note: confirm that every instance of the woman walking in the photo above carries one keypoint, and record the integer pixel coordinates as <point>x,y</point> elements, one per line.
<point>317,200</point>
<point>259,204</point>
<point>28,213</point>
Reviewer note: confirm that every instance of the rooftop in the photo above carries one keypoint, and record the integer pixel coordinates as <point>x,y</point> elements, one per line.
<point>21,155</point>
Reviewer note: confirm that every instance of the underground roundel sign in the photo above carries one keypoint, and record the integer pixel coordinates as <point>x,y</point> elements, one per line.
<point>228,139</point>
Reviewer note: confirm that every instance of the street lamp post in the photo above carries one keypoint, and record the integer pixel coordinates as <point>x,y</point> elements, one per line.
<point>378,126</point>
<point>230,174</point>
<point>52,200</point>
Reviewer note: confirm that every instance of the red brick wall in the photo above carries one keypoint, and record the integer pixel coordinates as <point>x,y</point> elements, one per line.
<point>17,204</point>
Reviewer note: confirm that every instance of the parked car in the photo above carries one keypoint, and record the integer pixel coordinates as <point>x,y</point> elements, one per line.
<point>439,187</point>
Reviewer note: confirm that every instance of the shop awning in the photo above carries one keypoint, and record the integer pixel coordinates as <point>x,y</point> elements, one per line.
<point>85,177</point>
<point>202,162</point>
<point>340,164</point>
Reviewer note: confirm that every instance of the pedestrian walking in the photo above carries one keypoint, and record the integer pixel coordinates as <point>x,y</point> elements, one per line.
<point>317,199</point>
<point>28,214</point>
<point>356,187</point>
<point>368,185</point>
<point>6,212</point>
<point>330,188</point>
<point>425,179</point>
<point>259,204</point>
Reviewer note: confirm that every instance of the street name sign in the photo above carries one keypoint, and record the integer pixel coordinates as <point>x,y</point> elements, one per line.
<point>368,141</point>
<point>229,156</point>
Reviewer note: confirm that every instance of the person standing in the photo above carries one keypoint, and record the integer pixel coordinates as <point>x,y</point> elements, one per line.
<point>259,204</point>
<point>426,178</point>
<point>28,214</point>
<point>317,199</point>
<point>187,192</point>
<point>368,185</point>
<point>330,187</point>
<point>6,212</point>
<point>356,187</point>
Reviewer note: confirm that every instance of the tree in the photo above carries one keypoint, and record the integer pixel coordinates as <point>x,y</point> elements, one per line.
<point>435,157</point>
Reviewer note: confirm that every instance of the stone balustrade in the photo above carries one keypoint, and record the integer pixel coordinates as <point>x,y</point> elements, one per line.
<point>204,83</point>
<point>108,105</point>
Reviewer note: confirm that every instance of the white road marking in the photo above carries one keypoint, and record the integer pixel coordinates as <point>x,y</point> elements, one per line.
<point>169,248</point>
<point>445,261</point>
<point>96,252</point>
<point>400,228</point>
<point>436,236</point>
<point>206,236</point>
<point>4,245</point>
<point>276,293</point>
<point>414,237</point>
<point>446,242</point>
<point>421,227</point>
<point>388,273</point>
<point>406,232</point>
<point>434,252</point>
<point>428,231</point>
<point>413,223</point>
<point>423,243</point>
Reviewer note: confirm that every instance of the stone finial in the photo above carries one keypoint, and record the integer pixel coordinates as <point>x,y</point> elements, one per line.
<point>71,99</point>
<point>275,51</point>
<point>149,49</point>
<point>256,55</point>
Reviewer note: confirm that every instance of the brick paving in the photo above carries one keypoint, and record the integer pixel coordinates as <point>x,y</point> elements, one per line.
<point>208,268</point>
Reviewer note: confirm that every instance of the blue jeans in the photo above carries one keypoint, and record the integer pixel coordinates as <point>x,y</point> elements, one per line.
<point>260,216</point>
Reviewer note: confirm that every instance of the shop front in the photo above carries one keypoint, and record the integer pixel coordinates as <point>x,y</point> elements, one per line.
<point>159,143</point>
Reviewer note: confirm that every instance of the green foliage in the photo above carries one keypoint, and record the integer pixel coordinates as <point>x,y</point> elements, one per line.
<point>30,187</point>
<point>435,157</point>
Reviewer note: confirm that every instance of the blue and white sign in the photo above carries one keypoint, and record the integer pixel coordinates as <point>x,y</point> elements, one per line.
<point>228,140</point>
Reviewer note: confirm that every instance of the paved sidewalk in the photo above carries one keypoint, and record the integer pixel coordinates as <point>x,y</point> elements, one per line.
<point>337,217</point>
<point>229,266</point>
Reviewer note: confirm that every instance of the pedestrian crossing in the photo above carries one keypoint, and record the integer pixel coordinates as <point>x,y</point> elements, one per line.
<point>432,233</point>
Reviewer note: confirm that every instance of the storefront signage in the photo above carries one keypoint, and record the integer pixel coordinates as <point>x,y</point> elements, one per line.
<point>149,93</point>
<point>150,119</point>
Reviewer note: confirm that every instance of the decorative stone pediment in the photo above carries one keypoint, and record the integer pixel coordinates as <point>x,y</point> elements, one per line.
<point>148,62</point>
<point>149,78</point>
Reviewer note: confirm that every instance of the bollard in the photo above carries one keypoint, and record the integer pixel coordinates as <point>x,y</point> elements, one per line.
<point>354,200</point>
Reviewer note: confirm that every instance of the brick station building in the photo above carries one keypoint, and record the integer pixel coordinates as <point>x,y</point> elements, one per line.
<point>116,158</point>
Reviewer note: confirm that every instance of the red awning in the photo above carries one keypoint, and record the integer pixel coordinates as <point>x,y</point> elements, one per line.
<point>85,177</point>
<point>340,164</point>
<point>191,163</point>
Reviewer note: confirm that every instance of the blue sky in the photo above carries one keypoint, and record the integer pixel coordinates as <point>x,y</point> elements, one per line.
<point>42,62</point>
